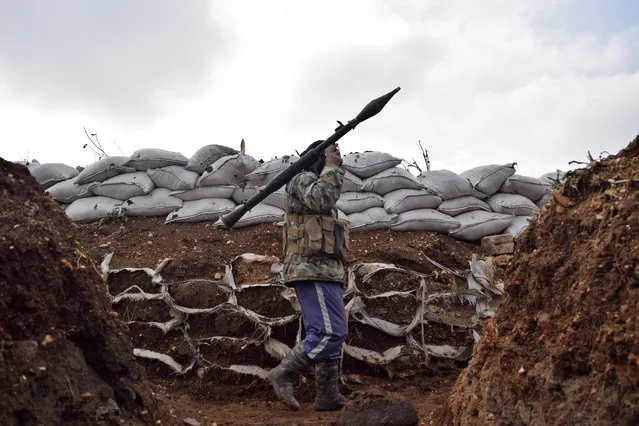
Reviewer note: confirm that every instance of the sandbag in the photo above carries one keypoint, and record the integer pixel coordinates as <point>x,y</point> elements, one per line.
<point>104,169</point>
<point>448,185</point>
<point>260,214</point>
<point>153,158</point>
<point>529,187</point>
<point>544,200</point>
<point>201,192</point>
<point>158,203</point>
<point>402,200</point>
<point>351,183</point>
<point>231,169</point>
<point>552,178</point>
<point>518,226</point>
<point>267,171</point>
<point>355,202</point>
<point>276,199</point>
<point>477,224</point>
<point>68,191</point>
<point>513,204</point>
<point>391,180</point>
<point>424,220</point>
<point>206,156</point>
<point>369,163</point>
<point>92,208</point>
<point>464,204</point>
<point>49,174</point>
<point>173,178</point>
<point>374,218</point>
<point>125,186</point>
<point>201,210</point>
<point>241,194</point>
<point>488,179</point>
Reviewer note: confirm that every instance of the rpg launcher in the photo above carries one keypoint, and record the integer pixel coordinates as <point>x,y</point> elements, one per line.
<point>305,161</point>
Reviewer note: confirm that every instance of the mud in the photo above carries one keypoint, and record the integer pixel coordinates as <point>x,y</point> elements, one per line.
<point>265,300</point>
<point>198,294</point>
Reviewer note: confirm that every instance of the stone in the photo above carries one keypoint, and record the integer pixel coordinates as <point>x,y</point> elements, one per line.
<point>494,245</point>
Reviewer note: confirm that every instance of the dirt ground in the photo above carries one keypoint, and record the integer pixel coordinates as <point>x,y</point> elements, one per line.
<point>564,345</point>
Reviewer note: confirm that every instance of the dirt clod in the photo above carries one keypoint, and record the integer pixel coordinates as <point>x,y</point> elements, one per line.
<point>378,409</point>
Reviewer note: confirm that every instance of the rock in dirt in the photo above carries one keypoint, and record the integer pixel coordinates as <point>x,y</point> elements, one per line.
<point>378,409</point>
<point>563,347</point>
<point>189,421</point>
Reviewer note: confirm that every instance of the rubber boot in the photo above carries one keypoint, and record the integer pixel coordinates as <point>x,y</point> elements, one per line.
<point>326,378</point>
<point>285,376</point>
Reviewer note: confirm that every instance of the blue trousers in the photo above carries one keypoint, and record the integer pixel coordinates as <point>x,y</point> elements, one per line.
<point>324,319</point>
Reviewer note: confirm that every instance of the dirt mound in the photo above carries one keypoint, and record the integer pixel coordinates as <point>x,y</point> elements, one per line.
<point>63,358</point>
<point>564,346</point>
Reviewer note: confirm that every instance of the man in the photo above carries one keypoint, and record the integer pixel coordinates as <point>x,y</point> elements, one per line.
<point>315,246</point>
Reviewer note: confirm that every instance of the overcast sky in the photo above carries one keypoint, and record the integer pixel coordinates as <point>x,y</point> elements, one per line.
<point>537,82</point>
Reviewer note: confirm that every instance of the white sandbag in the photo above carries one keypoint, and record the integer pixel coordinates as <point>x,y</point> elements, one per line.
<point>351,183</point>
<point>355,202</point>
<point>243,193</point>
<point>104,169</point>
<point>173,177</point>
<point>369,163</point>
<point>375,218</point>
<point>342,216</point>
<point>425,220</point>
<point>553,177</point>
<point>125,186</point>
<point>260,214</point>
<point>268,170</point>
<point>92,208</point>
<point>49,174</point>
<point>68,191</point>
<point>518,226</point>
<point>231,169</point>
<point>206,156</point>
<point>153,158</point>
<point>201,192</point>
<point>477,224</point>
<point>464,204</point>
<point>158,203</point>
<point>488,179</point>
<point>201,210</point>
<point>391,180</point>
<point>512,204</point>
<point>544,200</point>
<point>529,187</point>
<point>448,185</point>
<point>276,199</point>
<point>402,200</point>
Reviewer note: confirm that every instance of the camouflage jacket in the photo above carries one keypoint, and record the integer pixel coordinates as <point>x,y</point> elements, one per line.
<point>307,194</point>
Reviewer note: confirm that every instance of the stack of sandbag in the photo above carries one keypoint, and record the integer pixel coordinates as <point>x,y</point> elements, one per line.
<point>127,185</point>
<point>225,183</point>
<point>240,326</point>
<point>368,177</point>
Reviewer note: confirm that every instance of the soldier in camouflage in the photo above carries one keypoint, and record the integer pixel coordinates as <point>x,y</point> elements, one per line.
<point>318,277</point>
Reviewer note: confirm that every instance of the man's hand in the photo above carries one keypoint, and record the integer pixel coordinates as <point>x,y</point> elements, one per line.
<point>333,157</point>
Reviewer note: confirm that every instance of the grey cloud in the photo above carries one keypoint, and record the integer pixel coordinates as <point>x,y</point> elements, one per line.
<point>122,57</point>
<point>348,79</point>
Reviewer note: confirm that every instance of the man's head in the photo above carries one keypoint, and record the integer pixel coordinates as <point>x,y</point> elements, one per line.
<point>318,166</point>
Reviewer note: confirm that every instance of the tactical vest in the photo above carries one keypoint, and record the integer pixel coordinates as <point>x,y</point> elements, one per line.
<point>310,235</point>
